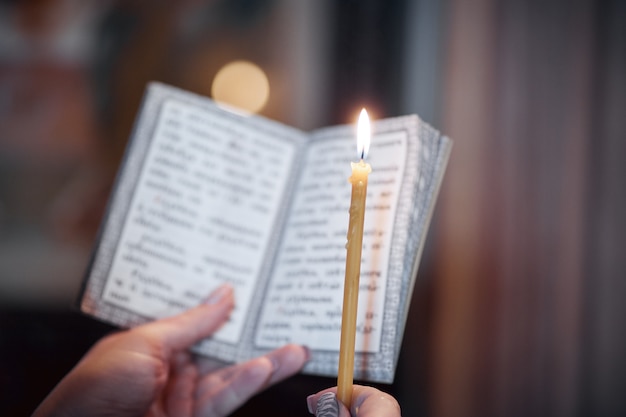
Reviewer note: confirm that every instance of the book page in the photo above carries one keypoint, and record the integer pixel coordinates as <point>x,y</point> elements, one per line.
<point>202,212</point>
<point>305,294</point>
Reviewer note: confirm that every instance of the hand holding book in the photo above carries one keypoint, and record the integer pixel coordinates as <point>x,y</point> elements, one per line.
<point>165,379</point>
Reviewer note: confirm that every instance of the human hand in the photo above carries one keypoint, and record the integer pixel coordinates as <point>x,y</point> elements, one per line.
<point>366,402</point>
<point>148,371</point>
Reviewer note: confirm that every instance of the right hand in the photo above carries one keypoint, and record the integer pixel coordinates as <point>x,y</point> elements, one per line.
<point>366,402</point>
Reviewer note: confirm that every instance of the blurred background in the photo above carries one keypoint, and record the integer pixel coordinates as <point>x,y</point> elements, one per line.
<point>519,306</point>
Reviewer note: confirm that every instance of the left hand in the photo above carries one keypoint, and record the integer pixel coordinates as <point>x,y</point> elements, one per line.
<point>148,371</point>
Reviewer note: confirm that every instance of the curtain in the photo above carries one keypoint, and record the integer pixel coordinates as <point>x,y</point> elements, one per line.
<point>529,278</point>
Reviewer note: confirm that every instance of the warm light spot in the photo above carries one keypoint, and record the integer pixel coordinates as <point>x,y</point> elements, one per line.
<point>363,135</point>
<point>241,84</point>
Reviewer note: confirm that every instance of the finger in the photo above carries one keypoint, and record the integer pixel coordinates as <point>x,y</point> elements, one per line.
<point>366,402</point>
<point>287,361</point>
<point>221,392</point>
<point>369,401</point>
<point>179,393</point>
<point>206,364</point>
<point>183,330</point>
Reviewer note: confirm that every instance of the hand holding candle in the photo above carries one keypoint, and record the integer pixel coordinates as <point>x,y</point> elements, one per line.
<point>360,172</point>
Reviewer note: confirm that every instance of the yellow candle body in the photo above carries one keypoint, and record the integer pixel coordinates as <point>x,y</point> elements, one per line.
<point>360,172</point>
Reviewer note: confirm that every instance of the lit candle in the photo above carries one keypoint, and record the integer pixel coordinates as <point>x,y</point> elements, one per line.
<point>360,171</point>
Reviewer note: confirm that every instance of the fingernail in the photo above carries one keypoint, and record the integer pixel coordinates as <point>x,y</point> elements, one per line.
<point>275,364</point>
<point>309,403</point>
<point>219,294</point>
<point>307,353</point>
<point>326,406</point>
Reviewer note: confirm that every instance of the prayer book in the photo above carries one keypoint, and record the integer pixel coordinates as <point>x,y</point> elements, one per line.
<point>207,195</point>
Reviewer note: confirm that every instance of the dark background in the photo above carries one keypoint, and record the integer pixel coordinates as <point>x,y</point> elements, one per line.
<point>518,308</point>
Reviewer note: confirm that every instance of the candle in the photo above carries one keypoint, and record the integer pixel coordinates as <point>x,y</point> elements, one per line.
<point>360,172</point>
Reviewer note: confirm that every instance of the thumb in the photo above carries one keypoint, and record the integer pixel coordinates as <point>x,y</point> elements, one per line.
<point>183,330</point>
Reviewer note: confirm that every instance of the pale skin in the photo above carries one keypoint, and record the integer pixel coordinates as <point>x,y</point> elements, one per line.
<point>149,371</point>
<point>366,402</point>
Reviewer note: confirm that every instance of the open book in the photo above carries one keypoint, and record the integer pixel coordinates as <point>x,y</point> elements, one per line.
<point>207,196</point>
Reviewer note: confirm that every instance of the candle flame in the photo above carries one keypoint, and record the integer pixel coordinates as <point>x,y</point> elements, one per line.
<point>363,135</point>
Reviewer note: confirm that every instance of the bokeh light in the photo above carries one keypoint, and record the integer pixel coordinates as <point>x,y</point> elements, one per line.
<point>241,84</point>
